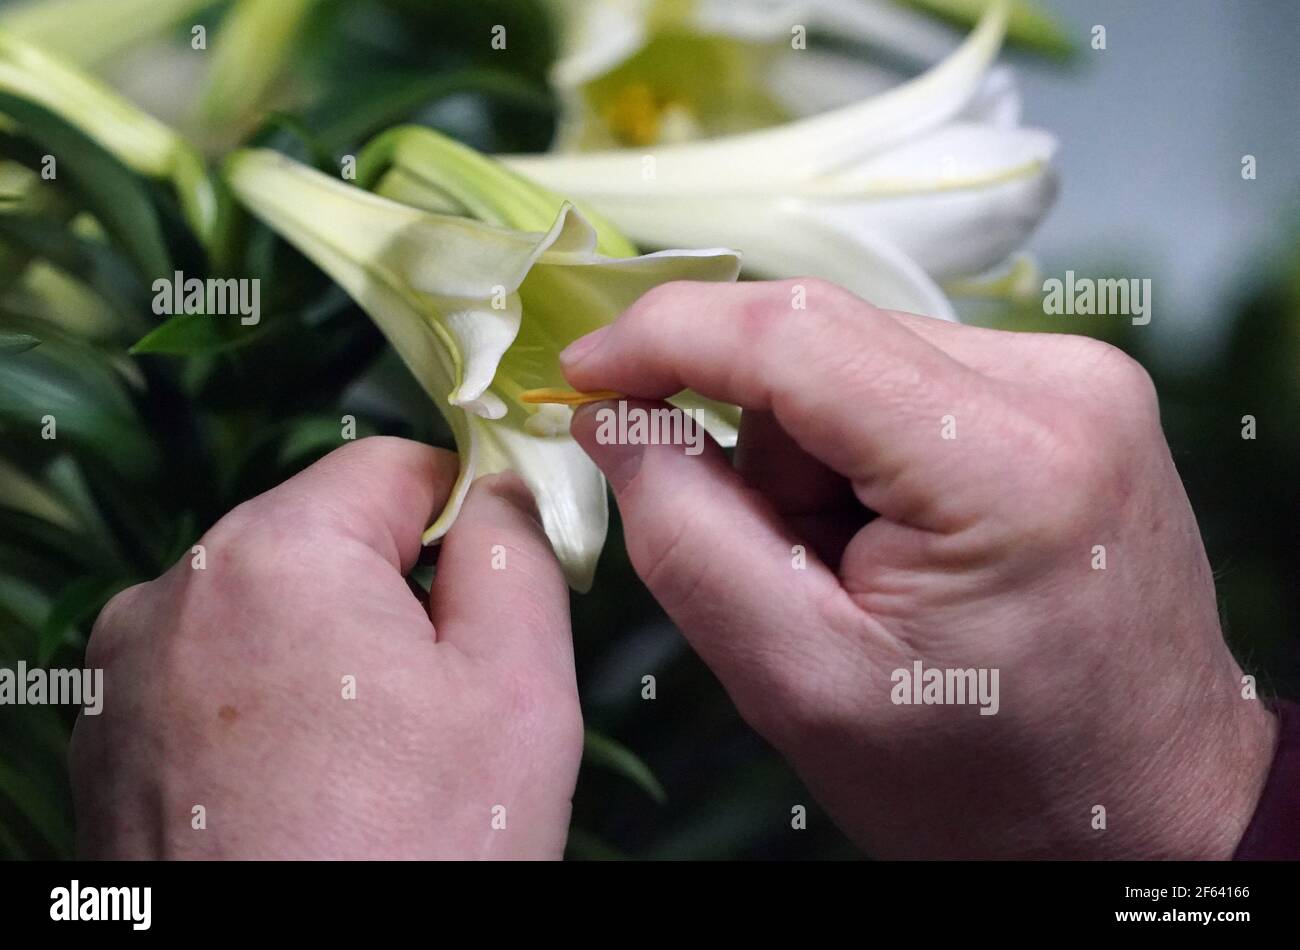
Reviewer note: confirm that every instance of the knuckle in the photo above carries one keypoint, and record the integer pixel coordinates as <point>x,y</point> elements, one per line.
<point>119,608</point>
<point>1129,378</point>
<point>1108,360</point>
<point>1047,448</point>
<point>370,446</point>
<point>365,454</point>
<point>236,525</point>
<point>840,324</point>
<point>117,616</point>
<point>1117,377</point>
<point>759,315</point>
<point>663,302</point>
<point>1076,472</point>
<point>257,534</point>
<point>823,295</point>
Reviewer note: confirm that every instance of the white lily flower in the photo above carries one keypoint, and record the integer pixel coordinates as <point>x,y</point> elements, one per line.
<point>479,314</point>
<point>889,196</point>
<point>634,73</point>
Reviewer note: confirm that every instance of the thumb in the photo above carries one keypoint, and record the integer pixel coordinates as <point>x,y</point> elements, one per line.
<point>710,549</point>
<point>499,592</point>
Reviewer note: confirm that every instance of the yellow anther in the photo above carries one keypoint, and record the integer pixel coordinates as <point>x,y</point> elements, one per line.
<point>634,114</point>
<point>565,397</point>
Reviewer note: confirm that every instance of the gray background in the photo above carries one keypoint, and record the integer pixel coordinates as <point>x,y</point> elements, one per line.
<point>1152,133</point>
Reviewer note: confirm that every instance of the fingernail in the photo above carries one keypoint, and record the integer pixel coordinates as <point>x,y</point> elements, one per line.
<point>618,461</point>
<point>580,348</point>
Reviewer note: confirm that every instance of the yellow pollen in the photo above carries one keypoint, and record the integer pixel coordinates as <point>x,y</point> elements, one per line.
<point>565,397</point>
<point>635,113</point>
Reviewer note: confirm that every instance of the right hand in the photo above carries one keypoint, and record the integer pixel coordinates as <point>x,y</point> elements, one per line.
<point>1116,688</point>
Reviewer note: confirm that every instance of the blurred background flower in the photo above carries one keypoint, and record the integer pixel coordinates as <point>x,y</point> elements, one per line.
<point>639,73</point>
<point>927,180</point>
<point>165,424</point>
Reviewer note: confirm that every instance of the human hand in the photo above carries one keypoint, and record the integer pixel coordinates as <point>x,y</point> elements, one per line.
<point>999,465</point>
<point>227,687</point>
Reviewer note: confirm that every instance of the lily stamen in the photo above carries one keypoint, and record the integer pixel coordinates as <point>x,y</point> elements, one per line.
<point>565,397</point>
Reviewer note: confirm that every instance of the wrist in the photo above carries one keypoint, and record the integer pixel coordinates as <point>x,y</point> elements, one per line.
<point>1209,798</point>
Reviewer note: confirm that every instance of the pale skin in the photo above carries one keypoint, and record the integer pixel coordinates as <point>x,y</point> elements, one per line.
<point>994,464</point>
<point>225,687</point>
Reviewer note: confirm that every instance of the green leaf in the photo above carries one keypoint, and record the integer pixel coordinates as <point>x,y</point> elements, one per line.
<point>46,552</point>
<point>359,111</point>
<point>65,475</point>
<point>99,267</point>
<point>585,846</point>
<point>35,805</point>
<point>1030,27</point>
<point>35,79</point>
<point>255,44</point>
<point>193,334</point>
<point>112,193</point>
<point>86,400</point>
<point>20,492</point>
<point>16,342</point>
<point>27,604</point>
<point>603,752</point>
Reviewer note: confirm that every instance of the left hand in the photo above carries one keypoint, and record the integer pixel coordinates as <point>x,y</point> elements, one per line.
<point>227,688</point>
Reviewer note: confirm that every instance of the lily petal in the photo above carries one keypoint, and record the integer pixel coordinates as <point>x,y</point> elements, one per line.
<point>957,156</point>
<point>447,270</point>
<point>597,37</point>
<point>879,23</point>
<point>482,333</point>
<point>759,162</point>
<point>997,102</point>
<point>424,169</point>
<point>569,302</point>
<point>785,237</point>
<point>957,202</point>
<point>855,258</point>
<point>569,489</point>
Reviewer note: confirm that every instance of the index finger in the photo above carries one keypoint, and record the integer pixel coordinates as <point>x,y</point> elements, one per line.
<point>854,387</point>
<point>380,491</point>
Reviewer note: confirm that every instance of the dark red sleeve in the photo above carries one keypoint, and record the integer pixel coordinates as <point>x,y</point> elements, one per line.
<point>1274,832</point>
